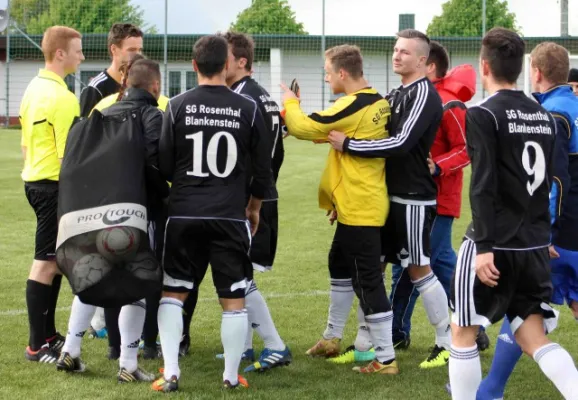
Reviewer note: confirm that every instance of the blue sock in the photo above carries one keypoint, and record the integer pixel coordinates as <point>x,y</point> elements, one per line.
<point>506,355</point>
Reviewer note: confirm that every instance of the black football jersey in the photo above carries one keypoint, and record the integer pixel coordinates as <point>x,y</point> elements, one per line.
<point>212,139</point>
<point>416,114</point>
<point>271,113</point>
<point>510,140</point>
<point>101,86</point>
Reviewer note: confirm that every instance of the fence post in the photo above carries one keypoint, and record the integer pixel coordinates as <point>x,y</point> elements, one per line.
<point>323,55</point>
<point>7,65</point>
<point>165,50</point>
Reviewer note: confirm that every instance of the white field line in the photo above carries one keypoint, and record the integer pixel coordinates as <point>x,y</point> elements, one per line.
<point>312,293</point>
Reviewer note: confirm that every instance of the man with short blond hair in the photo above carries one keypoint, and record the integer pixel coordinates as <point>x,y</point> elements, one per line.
<point>353,189</point>
<point>47,112</point>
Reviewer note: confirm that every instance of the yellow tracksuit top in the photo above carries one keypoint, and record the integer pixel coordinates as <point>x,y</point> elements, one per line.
<point>353,186</point>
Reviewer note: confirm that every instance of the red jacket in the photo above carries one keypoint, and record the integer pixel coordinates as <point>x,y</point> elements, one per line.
<point>449,148</point>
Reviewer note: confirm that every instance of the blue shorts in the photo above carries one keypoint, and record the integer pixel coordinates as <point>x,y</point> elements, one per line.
<point>565,276</point>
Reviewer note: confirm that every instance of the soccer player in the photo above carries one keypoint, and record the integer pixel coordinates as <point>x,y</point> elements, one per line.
<point>355,189</point>
<point>549,70</point>
<point>503,264</point>
<point>448,158</point>
<point>213,141</point>
<point>573,80</point>
<point>123,41</point>
<point>144,83</point>
<point>47,112</point>
<point>264,244</point>
<point>416,115</point>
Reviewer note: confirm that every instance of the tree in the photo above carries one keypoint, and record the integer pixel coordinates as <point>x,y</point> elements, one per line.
<point>268,16</point>
<point>86,16</point>
<point>464,18</point>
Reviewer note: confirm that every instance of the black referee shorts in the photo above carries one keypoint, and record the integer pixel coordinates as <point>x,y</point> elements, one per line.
<point>192,244</point>
<point>264,244</point>
<point>43,198</point>
<point>524,288</point>
<point>405,238</point>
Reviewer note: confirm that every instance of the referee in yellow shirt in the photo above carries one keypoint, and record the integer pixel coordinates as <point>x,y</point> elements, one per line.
<point>47,112</point>
<point>355,188</point>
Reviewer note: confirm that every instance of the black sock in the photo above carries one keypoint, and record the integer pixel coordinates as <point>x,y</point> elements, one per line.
<point>151,327</point>
<point>51,315</point>
<point>37,302</point>
<point>111,320</point>
<point>189,309</point>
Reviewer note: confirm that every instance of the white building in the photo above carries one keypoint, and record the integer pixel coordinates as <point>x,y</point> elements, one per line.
<point>278,59</point>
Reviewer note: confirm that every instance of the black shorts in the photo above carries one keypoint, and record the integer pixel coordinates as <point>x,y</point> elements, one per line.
<point>43,198</point>
<point>264,244</point>
<point>191,244</point>
<point>405,238</point>
<point>524,288</point>
<point>354,255</point>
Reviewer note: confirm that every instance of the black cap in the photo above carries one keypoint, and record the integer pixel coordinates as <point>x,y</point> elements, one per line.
<point>573,75</point>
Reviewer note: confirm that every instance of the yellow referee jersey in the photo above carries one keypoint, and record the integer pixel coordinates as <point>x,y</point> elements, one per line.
<point>47,112</point>
<point>353,186</point>
<point>110,100</point>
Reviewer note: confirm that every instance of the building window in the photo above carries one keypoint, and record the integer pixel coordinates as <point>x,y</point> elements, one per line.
<point>191,80</point>
<point>87,76</point>
<point>70,82</point>
<point>174,83</point>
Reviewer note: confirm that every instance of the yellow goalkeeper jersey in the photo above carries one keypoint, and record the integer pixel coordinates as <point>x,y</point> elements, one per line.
<point>353,186</point>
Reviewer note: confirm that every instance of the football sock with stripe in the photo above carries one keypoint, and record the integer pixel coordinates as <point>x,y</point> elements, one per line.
<point>341,300</point>
<point>506,355</point>
<point>363,339</point>
<point>233,329</point>
<point>131,322</point>
<point>38,302</point>
<point>260,319</point>
<point>465,372</point>
<point>435,302</point>
<point>78,323</point>
<point>380,326</point>
<point>558,366</point>
<point>171,329</point>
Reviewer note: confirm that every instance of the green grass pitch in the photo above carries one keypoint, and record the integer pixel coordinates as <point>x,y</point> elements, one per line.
<point>297,293</point>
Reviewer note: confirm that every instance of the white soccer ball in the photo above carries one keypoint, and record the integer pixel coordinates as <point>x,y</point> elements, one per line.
<point>89,270</point>
<point>68,254</point>
<point>118,243</point>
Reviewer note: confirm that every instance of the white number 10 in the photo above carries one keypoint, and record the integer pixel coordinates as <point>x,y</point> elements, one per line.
<point>538,170</point>
<point>211,155</point>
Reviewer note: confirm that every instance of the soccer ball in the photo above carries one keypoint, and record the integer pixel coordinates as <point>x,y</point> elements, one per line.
<point>68,254</point>
<point>88,271</point>
<point>86,242</point>
<point>145,267</point>
<point>118,243</point>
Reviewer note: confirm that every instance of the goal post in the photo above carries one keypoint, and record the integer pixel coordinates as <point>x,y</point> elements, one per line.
<point>526,71</point>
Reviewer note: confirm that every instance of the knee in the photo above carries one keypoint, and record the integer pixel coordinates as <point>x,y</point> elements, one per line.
<point>464,336</point>
<point>574,307</point>
<point>418,272</point>
<point>43,271</point>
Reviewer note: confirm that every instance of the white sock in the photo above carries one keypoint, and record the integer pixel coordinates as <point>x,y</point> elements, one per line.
<point>557,365</point>
<point>363,339</point>
<point>78,323</point>
<point>249,338</point>
<point>380,328</point>
<point>233,327</point>
<point>341,298</point>
<point>465,372</point>
<point>170,319</point>
<point>130,324</point>
<point>97,321</point>
<point>435,302</point>
<point>260,319</point>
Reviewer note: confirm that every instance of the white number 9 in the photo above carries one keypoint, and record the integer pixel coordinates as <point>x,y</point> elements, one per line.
<point>538,169</point>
